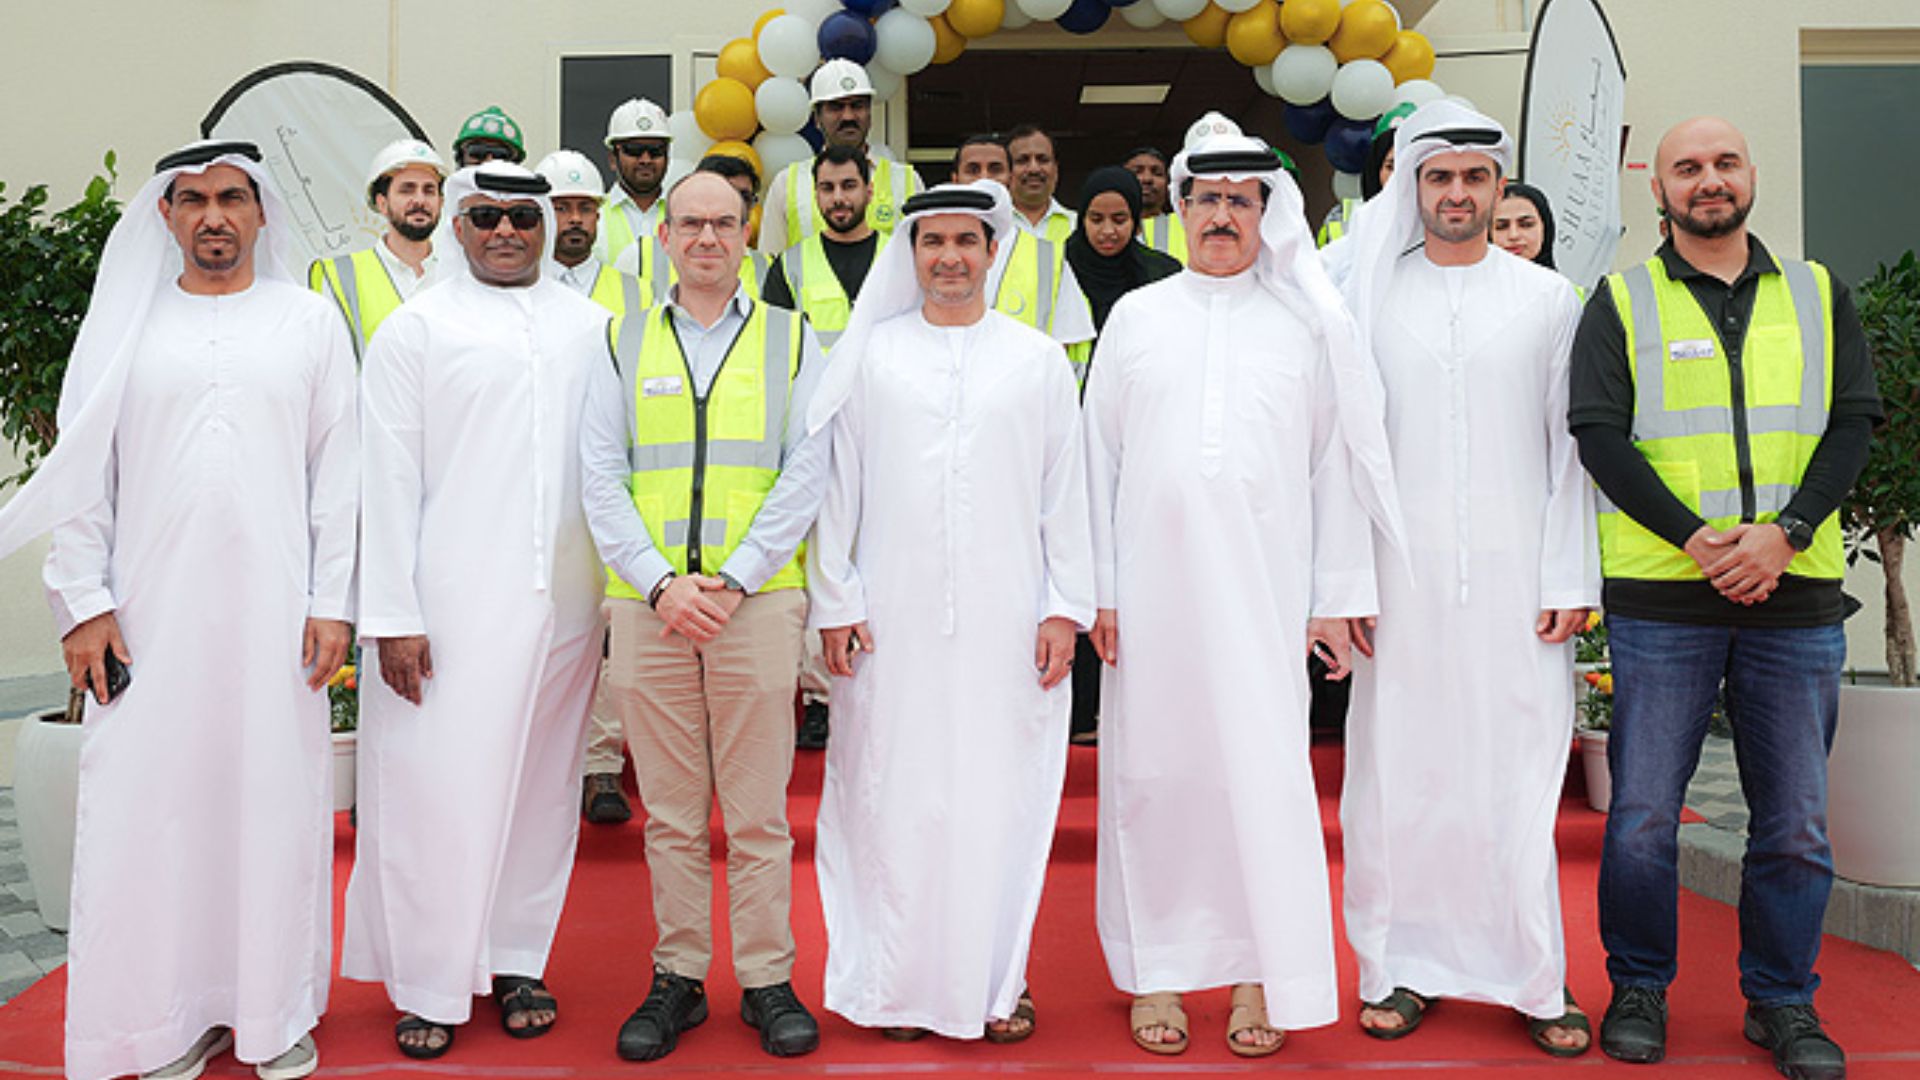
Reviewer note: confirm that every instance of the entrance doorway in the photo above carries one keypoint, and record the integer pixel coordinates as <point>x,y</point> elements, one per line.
<point>994,90</point>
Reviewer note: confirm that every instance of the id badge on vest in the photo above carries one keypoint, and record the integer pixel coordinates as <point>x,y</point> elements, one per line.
<point>662,386</point>
<point>1690,349</point>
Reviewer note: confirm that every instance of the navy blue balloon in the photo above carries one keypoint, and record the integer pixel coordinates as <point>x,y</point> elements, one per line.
<point>1309,123</point>
<point>846,36</point>
<point>869,8</point>
<point>1348,144</point>
<point>1121,3</point>
<point>1085,16</point>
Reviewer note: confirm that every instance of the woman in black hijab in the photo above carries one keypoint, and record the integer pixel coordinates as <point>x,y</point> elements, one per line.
<point>1109,262</point>
<point>1523,223</point>
<point>1107,258</point>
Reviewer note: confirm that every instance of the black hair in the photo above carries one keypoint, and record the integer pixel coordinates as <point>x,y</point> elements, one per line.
<point>1517,190</point>
<point>834,154</point>
<point>727,167</point>
<point>1028,130</point>
<point>982,140</point>
<point>1153,151</point>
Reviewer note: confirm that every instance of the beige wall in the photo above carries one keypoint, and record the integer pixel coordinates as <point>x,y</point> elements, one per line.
<point>149,72</point>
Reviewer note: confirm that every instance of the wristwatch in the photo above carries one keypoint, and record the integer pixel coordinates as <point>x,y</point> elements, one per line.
<point>731,582</point>
<point>1798,529</point>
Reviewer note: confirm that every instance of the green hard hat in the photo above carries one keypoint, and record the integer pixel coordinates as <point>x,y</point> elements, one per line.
<point>1286,162</point>
<point>1392,117</point>
<point>491,123</point>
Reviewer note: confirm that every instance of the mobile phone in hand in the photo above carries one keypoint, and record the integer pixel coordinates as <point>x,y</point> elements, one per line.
<point>119,677</point>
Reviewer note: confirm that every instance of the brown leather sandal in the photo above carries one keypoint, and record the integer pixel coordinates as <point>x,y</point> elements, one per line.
<point>1159,1010</point>
<point>1023,1011</point>
<point>1250,1014</point>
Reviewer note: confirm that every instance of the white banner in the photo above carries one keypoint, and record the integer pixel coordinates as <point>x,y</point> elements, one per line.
<point>318,127</point>
<point>1570,133</point>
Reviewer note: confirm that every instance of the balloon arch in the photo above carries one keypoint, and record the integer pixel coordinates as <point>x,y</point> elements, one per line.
<point>1338,64</point>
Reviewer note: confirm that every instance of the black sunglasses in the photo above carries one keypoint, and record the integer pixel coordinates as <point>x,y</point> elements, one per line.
<point>479,153</point>
<point>487,218</point>
<point>641,149</point>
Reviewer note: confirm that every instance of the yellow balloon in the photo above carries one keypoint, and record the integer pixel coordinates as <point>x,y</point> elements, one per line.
<point>1410,58</point>
<point>976,18</point>
<point>740,60</point>
<point>768,16</point>
<point>1367,29</point>
<point>1309,22</point>
<point>724,110</point>
<point>734,148</point>
<point>1209,28</point>
<point>1253,35</point>
<point>948,43</point>
<point>753,224</point>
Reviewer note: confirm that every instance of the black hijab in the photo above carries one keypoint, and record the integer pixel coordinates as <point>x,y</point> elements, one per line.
<point>1516,189</point>
<point>1106,278</point>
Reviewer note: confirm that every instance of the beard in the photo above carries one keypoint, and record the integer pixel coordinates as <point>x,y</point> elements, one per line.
<point>411,231</point>
<point>1710,228</point>
<point>217,264</point>
<point>843,222</point>
<point>1453,233</point>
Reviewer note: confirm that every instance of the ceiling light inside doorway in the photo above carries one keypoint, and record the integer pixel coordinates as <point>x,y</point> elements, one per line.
<point>1125,94</point>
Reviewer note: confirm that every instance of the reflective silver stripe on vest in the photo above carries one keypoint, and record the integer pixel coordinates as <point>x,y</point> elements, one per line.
<point>1043,315</point>
<point>739,453</point>
<point>794,270</point>
<point>629,292</point>
<point>713,533</point>
<point>1651,418</point>
<point>660,267</point>
<point>1158,239</point>
<point>626,358</point>
<point>1724,503</point>
<point>350,285</point>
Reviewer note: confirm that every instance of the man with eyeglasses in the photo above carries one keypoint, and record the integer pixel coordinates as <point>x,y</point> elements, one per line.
<point>1237,468</point>
<point>647,258</point>
<point>488,135</point>
<point>638,140</point>
<point>700,484</point>
<point>843,109</point>
<point>480,610</point>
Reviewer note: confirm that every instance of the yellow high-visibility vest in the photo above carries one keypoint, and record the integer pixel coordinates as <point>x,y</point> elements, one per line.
<point>816,288</point>
<point>622,223</point>
<point>712,459</point>
<point>1730,462</point>
<point>1163,233</point>
<point>1030,291</point>
<point>892,186</point>
<point>617,292</point>
<point>358,283</point>
<point>1336,224</point>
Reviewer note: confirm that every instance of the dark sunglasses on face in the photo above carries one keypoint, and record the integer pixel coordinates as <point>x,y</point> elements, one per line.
<point>480,152</point>
<point>642,149</point>
<point>487,218</point>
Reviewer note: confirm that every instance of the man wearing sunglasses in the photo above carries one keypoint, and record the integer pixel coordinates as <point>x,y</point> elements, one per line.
<point>480,598</point>
<point>637,143</point>
<point>488,135</point>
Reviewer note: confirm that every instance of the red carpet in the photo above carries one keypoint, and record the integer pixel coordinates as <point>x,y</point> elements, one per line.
<point>600,972</point>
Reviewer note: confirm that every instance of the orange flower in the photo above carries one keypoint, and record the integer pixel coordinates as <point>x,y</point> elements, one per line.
<point>1593,619</point>
<point>352,683</point>
<point>1593,678</point>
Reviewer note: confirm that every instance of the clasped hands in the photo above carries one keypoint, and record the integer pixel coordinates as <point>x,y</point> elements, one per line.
<point>1745,562</point>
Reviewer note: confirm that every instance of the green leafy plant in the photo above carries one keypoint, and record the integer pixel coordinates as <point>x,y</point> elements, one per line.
<point>47,266</point>
<point>1885,503</point>
<point>343,698</point>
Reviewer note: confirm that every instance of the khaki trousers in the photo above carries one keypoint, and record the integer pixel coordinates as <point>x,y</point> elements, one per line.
<point>707,720</point>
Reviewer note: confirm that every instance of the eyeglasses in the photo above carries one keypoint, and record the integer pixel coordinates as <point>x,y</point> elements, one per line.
<point>476,153</point>
<point>694,226</point>
<point>1208,202</point>
<point>641,149</point>
<point>524,218</point>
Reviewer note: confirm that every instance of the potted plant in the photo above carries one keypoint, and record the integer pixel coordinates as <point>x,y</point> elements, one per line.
<point>1873,775</point>
<point>343,700</point>
<point>47,266</point>
<point>1595,720</point>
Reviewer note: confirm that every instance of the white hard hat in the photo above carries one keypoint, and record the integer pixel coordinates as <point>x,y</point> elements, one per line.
<point>570,173</point>
<point>400,154</point>
<point>637,118</point>
<point>838,79</point>
<point>1208,126</point>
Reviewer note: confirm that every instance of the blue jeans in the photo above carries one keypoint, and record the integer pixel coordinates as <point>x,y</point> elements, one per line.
<point>1783,695</point>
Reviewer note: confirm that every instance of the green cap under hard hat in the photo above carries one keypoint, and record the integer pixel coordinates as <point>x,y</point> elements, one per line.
<point>491,123</point>
<point>1392,117</point>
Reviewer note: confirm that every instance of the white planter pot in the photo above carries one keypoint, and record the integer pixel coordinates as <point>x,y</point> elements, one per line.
<point>344,745</point>
<point>1873,786</point>
<point>46,795</point>
<point>1593,759</point>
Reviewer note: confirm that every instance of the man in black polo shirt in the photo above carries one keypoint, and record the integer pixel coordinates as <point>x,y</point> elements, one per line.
<point>1724,401</point>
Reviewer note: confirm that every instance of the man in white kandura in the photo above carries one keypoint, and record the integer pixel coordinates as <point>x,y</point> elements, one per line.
<point>953,551</point>
<point>480,603</point>
<point>202,500</point>
<point>1235,457</point>
<point>1458,739</point>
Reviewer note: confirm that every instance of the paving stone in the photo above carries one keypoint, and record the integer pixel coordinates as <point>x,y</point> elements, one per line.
<point>41,946</point>
<point>22,890</point>
<point>1841,904</point>
<point>1883,918</point>
<point>22,924</point>
<point>13,988</point>
<point>15,965</point>
<point>11,904</point>
<point>12,872</point>
<point>50,964</point>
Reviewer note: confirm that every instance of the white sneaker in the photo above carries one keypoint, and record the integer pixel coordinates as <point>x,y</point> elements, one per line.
<point>299,1060</point>
<point>191,1064</point>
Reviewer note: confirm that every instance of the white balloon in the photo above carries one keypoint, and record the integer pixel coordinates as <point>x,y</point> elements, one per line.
<point>886,81</point>
<point>1237,6</point>
<point>811,10</point>
<point>1362,89</point>
<point>1463,102</point>
<point>1178,10</point>
<point>689,142</point>
<point>1263,74</point>
<point>1142,15</point>
<point>782,104</point>
<point>926,9</point>
<point>906,41</point>
<point>778,150</point>
<point>679,169</point>
<point>1044,10</point>
<point>787,46</point>
<point>1012,18</point>
<point>1346,185</point>
<point>1302,74</point>
<point>1418,92</point>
